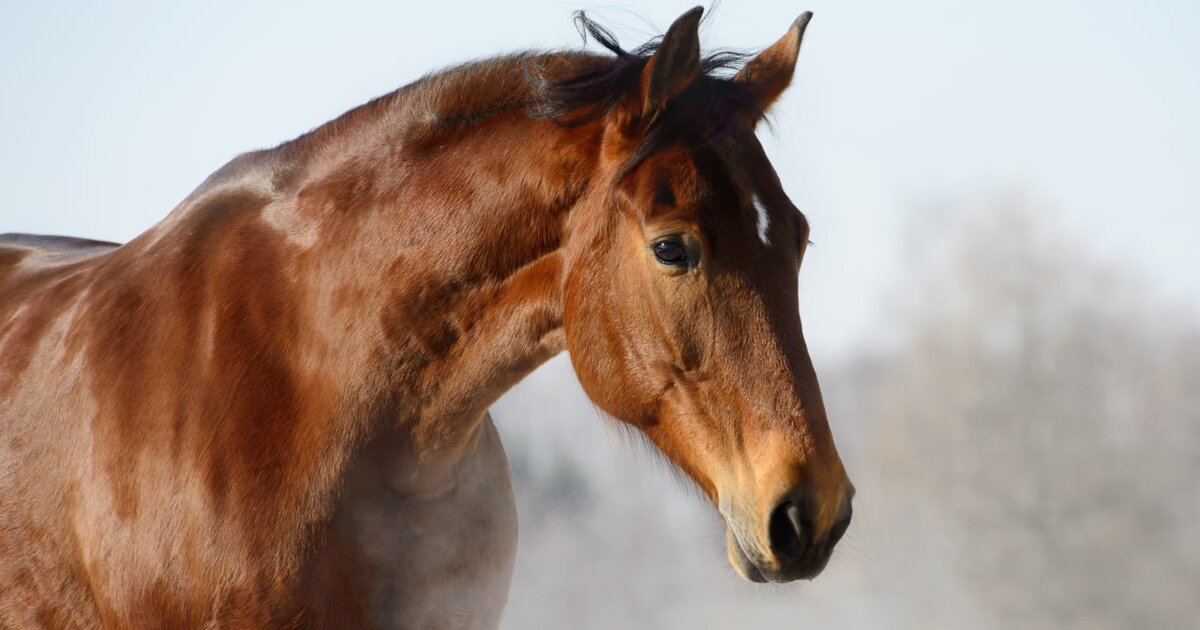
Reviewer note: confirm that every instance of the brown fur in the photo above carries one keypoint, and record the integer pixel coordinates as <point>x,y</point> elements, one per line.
<point>206,426</point>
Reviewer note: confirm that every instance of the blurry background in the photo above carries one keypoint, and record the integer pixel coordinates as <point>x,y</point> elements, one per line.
<point>1003,302</point>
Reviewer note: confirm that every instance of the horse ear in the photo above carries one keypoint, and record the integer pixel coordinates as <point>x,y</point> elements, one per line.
<point>768,74</point>
<point>674,66</point>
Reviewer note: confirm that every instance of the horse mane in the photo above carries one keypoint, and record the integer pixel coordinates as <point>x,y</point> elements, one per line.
<point>703,112</point>
<point>567,88</point>
<point>591,94</point>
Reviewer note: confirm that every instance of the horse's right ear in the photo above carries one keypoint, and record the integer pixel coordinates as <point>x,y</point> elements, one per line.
<point>767,75</point>
<point>674,66</point>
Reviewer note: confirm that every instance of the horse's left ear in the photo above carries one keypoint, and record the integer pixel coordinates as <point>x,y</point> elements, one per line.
<point>674,66</point>
<point>768,74</point>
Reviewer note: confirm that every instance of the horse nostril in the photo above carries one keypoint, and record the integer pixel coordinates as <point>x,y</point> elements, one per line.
<point>790,529</point>
<point>839,527</point>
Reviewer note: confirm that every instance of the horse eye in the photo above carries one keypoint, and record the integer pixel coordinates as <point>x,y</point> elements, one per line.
<point>670,252</point>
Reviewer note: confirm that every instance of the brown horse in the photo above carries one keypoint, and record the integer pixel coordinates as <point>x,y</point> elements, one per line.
<point>248,415</point>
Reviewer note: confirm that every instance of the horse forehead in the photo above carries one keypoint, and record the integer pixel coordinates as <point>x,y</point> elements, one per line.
<point>733,175</point>
<point>757,194</point>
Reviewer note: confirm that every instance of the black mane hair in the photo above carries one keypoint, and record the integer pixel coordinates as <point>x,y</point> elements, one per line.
<point>703,112</point>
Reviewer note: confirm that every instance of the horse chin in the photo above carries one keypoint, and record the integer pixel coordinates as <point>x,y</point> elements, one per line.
<point>738,559</point>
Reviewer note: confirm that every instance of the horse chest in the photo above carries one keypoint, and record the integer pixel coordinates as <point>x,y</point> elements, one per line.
<point>442,562</point>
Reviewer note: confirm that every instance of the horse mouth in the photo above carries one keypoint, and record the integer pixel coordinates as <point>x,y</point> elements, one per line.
<point>740,561</point>
<point>807,567</point>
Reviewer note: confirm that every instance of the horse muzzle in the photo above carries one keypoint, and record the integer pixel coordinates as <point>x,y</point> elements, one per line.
<point>789,543</point>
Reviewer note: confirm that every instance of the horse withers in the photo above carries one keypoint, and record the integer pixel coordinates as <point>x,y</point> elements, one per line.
<point>270,408</point>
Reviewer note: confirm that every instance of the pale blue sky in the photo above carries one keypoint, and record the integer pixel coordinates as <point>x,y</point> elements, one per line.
<point>111,112</point>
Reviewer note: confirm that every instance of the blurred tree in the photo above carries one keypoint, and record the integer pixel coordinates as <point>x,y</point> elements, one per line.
<point>1042,417</point>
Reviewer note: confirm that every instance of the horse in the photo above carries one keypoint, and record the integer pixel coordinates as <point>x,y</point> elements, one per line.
<point>270,408</point>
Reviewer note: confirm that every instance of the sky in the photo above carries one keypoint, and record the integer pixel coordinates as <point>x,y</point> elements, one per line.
<point>110,113</point>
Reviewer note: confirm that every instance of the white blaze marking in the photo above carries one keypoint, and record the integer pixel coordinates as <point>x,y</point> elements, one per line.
<point>764,220</point>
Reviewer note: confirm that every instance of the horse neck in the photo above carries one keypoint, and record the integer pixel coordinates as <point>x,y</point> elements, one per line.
<point>433,266</point>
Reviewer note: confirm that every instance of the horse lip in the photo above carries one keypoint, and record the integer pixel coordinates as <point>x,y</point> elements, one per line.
<point>754,572</point>
<point>743,565</point>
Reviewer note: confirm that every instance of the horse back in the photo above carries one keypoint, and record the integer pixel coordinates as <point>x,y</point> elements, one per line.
<point>46,248</point>
<point>28,261</point>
